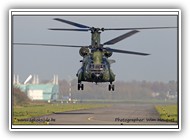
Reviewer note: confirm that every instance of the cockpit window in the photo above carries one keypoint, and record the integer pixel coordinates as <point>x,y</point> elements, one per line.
<point>97,66</point>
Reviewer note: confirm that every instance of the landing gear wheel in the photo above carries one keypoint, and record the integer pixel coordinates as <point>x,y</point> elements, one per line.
<point>111,87</point>
<point>80,86</point>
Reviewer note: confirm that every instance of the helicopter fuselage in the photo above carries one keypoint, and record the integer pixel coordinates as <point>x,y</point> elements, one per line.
<point>95,68</point>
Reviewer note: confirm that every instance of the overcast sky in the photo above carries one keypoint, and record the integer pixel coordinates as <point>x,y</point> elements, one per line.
<point>161,65</point>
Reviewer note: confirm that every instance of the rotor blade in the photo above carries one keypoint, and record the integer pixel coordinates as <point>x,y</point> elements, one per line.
<point>56,45</point>
<point>127,52</point>
<point>63,29</point>
<point>119,38</point>
<point>72,23</point>
<point>138,28</point>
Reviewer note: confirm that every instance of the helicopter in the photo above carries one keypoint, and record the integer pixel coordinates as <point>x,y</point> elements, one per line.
<point>96,62</point>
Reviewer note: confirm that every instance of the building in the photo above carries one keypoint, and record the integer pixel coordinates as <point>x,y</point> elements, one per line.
<point>35,91</point>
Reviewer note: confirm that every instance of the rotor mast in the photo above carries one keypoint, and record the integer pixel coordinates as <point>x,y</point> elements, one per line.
<point>95,38</point>
<point>95,44</point>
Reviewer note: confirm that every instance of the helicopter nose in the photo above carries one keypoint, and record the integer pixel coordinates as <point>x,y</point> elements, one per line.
<point>96,75</point>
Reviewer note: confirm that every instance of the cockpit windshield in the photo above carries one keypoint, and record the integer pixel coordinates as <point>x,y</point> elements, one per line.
<point>97,66</point>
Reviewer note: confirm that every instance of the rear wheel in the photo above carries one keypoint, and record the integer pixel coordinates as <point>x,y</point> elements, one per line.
<point>109,87</point>
<point>82,86</point>
<point>113,87</point>
<point>78,86</point>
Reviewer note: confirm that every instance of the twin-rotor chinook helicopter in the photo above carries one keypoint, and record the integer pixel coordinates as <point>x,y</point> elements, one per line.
<point>96,67</point>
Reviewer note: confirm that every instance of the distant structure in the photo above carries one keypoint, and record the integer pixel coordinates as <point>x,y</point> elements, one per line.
<point>171,94</point>
<point>36,91</point>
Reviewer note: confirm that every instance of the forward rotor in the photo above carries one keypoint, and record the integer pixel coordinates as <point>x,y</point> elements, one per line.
<point>85,28</point>
<point>93,29</point>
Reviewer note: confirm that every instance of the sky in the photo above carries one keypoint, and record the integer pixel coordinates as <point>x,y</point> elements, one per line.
<point>161,65</point>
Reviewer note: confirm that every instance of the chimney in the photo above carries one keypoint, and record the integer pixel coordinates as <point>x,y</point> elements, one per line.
<point>17,80</point>
<point>37,79</point>
<point>14,79</point>
<point>57,80</point>
<point>34,79</point>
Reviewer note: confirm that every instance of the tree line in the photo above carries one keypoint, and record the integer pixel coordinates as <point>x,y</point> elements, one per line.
<point>131,90</point>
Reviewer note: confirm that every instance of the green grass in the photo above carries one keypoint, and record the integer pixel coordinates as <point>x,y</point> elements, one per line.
<point>168,112</point>
<point>30,111</point>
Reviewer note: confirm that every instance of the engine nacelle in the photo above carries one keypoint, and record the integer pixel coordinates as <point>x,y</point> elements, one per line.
<point>83,51</point>
<point>107,53</point>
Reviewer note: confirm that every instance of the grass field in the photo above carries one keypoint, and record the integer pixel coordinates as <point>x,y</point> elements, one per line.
<point>168,112</point>
<point>30,111</point>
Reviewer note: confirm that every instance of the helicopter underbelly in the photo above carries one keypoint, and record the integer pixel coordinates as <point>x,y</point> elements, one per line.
<point>96,76</point>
